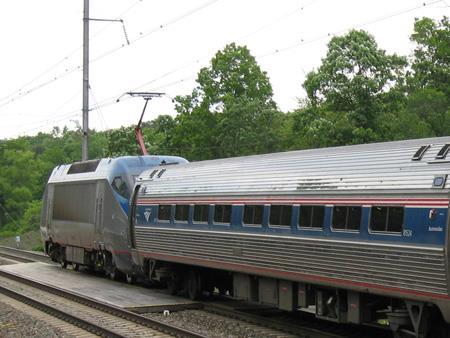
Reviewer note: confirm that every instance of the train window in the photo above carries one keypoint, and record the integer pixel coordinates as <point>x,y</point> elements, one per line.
<point>253,214</point>
<point>386,219</point>
<point>312,216</point>
<point>182,212</point>
<point>164,211</point>
<point>120,186</point>
<point>281,215</point>
<point>346,217</point>
<point>201,213</point>
<point>222,214</point>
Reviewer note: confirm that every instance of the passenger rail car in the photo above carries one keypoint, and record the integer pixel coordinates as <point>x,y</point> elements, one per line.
<point>84,217</point>
<point>358,233</point>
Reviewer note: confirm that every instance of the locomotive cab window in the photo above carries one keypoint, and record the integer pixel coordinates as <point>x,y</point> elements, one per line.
<point>346,217</point>
<point>280,215</point>
<point>311,216</point>
<point>222,214</point>
<point>164,211</point>
<point>386,219</point>
<point>253,214</point>
<point>201,213</point>
<point>120,186</point>
<point>182,212</point>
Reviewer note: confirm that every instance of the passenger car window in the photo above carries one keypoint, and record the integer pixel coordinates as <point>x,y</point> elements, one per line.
<point>201,213</point>
<point>222,214</point>
<point>346,217</point>
<point>182,212</point>
<point>164,212</point>
<point>386,219</point>
<point>312,216</point>
<point>253,214</point>
<point>120,186</point>
<point>280,215</point>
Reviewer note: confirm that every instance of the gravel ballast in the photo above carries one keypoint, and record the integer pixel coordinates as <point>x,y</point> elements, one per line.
<point>15,323</point>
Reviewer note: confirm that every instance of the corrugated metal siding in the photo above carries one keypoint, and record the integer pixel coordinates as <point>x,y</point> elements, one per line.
<point>372,167</point>
<point>410,267</point>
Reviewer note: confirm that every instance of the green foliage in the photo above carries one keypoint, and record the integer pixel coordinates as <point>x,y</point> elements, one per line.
<point>121,142</point>
<point>353,78</point>
<point>26,164</point>
<point>358,94</point>
<point>431,61</point>
<point>231,112</point>
<point>39,247</point>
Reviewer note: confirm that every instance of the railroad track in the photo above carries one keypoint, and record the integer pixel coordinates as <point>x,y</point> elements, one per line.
<point>23,256</point>
<point>254,321</point>
<point>91,315</point>
<point>299,324</point>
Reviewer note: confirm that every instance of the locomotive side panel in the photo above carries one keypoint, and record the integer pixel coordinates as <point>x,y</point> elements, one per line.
<point>74,214</point>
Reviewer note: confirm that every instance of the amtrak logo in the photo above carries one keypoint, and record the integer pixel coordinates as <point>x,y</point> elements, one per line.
<point>147,215</point>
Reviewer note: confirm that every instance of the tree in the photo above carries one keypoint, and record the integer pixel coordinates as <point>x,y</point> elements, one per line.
<point>234,73</point>
<point>232,101</point>
<point>429,82</point>
<point>431,59</point>
<point>353,77</point>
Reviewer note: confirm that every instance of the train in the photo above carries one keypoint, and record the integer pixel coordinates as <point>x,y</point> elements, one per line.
<point>84,217</point>
<point>357,234</point>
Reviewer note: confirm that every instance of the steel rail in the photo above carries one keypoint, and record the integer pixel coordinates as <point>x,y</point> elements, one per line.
<point>63,315</point>
<point>107,308</point>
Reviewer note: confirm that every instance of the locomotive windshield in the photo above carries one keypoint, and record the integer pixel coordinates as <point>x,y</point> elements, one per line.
<point>121,187</point>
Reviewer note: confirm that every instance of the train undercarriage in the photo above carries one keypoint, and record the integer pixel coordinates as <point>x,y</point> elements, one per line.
<point>405,318</point>
<point>97,260</point>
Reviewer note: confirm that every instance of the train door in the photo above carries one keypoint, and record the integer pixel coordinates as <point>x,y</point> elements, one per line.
<point>99,211</point>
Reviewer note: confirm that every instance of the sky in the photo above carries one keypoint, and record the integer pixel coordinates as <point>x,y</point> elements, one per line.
<point>166,44</point>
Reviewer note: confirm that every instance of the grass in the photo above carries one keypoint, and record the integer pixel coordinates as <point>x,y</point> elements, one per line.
<point>28,241</point>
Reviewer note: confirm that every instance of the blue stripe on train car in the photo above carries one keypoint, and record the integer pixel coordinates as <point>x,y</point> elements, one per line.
<point>418,227</point>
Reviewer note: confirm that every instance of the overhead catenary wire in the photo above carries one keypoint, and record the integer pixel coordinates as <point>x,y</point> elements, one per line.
<point>302,43</point>
<point>328,35</point>
<point>140,36</point>
<point>23,87</point>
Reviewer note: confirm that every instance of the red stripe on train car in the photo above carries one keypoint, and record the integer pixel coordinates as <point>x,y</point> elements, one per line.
<point>405,201</point>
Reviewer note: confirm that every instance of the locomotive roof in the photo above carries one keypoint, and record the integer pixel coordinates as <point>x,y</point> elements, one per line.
<point>106,168</point>
<point>387,166</point>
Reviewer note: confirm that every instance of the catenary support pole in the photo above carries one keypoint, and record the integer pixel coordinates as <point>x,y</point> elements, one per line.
<point>85,143</point>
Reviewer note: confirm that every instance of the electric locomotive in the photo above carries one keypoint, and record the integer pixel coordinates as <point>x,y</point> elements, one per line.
<point>84,219</point>
<point>359,234</point>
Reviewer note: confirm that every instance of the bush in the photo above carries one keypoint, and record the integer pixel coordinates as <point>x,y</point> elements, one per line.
<point>39,247</point>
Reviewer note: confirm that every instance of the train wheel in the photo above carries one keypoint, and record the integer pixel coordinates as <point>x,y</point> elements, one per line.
<point>76,266</point>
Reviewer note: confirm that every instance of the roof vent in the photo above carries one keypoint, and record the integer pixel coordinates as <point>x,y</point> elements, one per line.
<point>153,173</point>
<point>161,172</point>
<point>443,152</point>
<point>420,152</point>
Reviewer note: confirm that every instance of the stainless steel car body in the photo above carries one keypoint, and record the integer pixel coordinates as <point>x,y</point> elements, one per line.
<point>412,264</point>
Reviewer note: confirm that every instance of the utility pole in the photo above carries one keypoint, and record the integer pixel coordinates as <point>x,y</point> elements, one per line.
<point>85,143</point>
<point>86,19</point>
